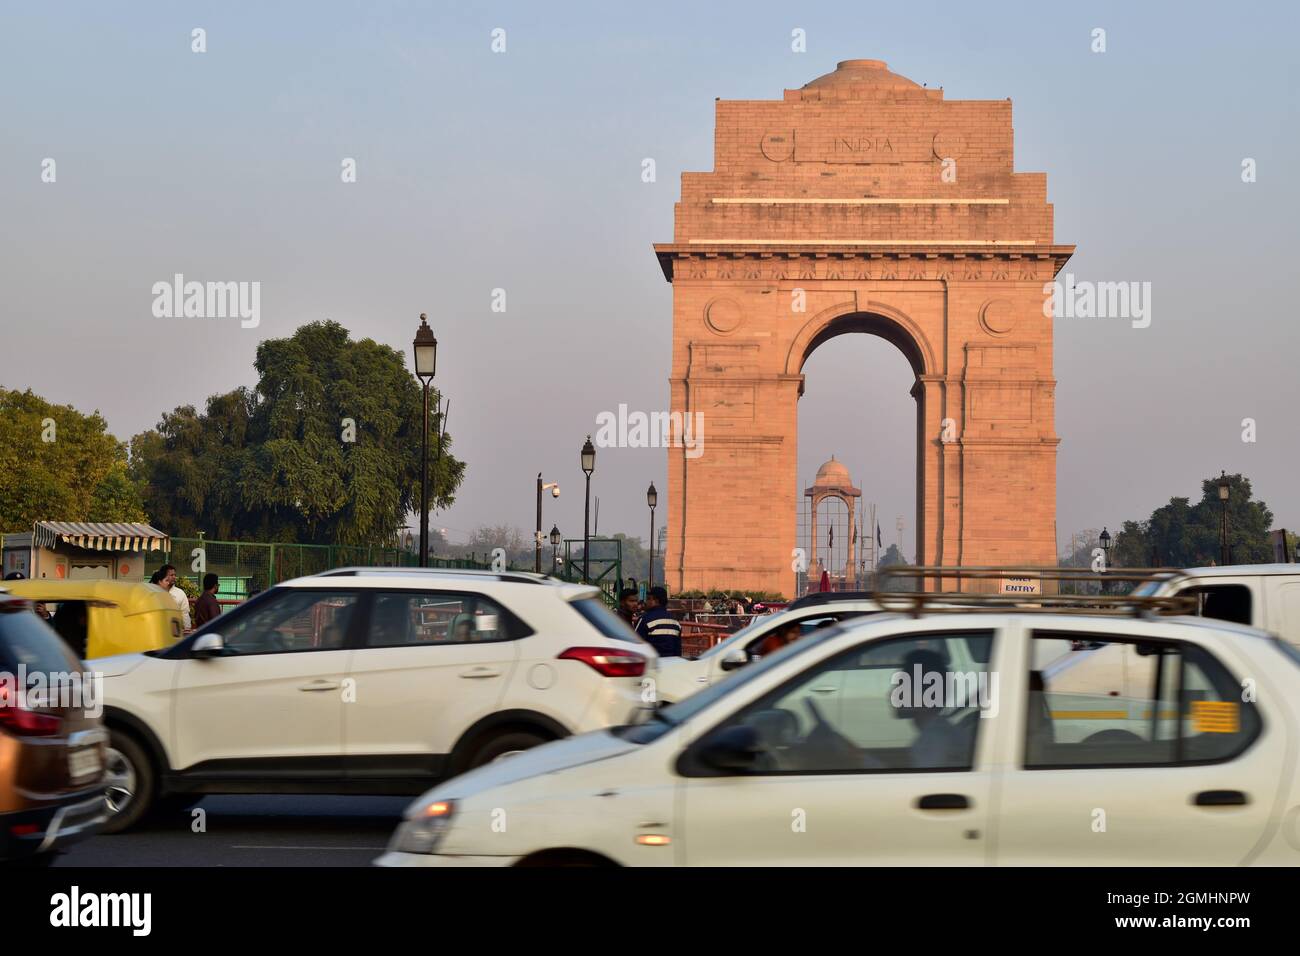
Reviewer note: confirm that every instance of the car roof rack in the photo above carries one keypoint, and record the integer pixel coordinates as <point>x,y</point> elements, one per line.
<point>525,577</point>
<point>1128,605</point>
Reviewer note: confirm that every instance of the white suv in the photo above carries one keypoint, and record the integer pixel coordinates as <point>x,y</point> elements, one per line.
<point>364,680</point>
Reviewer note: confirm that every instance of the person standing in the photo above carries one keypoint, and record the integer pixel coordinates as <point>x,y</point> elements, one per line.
<point>206,607</point>
<point>659,628</point>
<point>628,606</point>
<point>165,578</point>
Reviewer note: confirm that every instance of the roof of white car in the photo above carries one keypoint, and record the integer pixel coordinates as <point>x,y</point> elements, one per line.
<point>436,578</point>
<point>1046,620</point>
<point>1240,570</point>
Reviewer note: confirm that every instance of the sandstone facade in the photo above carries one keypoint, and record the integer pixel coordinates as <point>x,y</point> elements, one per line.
<point>862,203</point>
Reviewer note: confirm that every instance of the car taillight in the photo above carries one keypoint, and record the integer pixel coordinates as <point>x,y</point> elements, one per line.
<point>23,722</point>
<point>607,661</point>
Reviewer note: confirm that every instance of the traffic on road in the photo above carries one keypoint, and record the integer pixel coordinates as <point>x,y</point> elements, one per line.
<point>534,727</point>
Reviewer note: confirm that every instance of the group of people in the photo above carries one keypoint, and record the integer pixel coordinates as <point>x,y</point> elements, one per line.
<point>652,622</point>
<point>737,606</point>
<point>205,608</point>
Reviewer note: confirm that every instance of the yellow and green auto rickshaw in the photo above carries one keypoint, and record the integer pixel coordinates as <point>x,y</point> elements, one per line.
<point>103,618</point>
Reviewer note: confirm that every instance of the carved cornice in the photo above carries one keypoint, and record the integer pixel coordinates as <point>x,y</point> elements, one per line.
<point>1015,262</point>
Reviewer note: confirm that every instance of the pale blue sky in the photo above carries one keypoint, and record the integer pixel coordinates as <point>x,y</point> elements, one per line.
<point>522,171</point>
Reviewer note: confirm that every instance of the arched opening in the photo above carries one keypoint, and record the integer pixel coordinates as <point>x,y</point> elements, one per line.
<point>860,404</point>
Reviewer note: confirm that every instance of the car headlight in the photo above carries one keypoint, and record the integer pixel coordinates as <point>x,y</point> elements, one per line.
<point>423,828</point>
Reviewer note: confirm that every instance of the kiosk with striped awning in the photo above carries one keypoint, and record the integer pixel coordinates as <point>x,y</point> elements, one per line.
<point>100,535</point>
<point>108,550</point>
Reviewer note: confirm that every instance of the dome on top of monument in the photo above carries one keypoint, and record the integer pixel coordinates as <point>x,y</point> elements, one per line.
<point>869,73</point>
<point>833,473</point>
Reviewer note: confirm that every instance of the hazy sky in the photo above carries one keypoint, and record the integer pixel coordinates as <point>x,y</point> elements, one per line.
<point>521,171</point>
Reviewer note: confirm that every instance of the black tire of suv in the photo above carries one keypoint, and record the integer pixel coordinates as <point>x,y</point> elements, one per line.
<point>496,747</point>
<point>146,782</point>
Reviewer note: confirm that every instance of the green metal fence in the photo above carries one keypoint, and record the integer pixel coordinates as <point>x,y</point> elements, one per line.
<point>244,568</point>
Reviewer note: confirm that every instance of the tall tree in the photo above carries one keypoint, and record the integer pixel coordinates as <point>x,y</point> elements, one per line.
<point>1182,534</point>
<point>59,464</point>
<point>325,449</point>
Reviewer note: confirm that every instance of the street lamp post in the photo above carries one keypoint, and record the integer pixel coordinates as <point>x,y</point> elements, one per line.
<point>426,361</point>
<point>1104,540</point>
<point>1225,552</point>
<point>555,544</point>
<point>588,466</point>
<point>537,537</point>
<point>652,499</point>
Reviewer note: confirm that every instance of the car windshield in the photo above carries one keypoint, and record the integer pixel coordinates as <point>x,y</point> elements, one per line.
<point>751,628</point>
<point>666,718</point>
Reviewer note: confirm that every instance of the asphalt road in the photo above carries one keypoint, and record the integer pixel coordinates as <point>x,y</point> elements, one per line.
<point>254,831</point>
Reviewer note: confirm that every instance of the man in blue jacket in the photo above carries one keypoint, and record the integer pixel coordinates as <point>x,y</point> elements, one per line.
<point>659,628</point>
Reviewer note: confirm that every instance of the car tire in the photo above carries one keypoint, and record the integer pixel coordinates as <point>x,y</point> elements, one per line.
<point>130,782</point>
<point>504,745</point>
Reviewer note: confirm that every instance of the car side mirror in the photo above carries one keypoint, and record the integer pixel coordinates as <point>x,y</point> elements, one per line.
<point>209,645</point>
<point>734,658</point>
<point>732,749</point>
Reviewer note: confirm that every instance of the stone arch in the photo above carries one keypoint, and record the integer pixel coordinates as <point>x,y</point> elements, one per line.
<point>836,191</point>
<point>877,319</point>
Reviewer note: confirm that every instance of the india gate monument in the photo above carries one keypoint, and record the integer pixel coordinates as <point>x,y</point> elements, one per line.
<point>862,202</point>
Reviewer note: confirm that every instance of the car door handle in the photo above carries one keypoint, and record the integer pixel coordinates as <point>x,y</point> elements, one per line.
<point>1220,798</point>
<point>824,690</point>
<point>320,685</point>
<point>475,672</point>
<point>943,801</point>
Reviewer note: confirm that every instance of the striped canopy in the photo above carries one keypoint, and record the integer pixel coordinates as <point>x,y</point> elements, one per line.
<point>100,535</point>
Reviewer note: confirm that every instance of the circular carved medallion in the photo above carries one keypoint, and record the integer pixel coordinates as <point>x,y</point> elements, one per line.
<point>723,316</point>
<point>997,317</point>
<point>778,146</point>
<point>949,145</point>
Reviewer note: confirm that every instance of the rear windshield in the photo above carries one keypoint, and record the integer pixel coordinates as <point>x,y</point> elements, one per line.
<point>28,641</point>
<point>603,619</point>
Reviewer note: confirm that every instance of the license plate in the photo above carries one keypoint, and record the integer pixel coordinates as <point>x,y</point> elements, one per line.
<point>84,762</point>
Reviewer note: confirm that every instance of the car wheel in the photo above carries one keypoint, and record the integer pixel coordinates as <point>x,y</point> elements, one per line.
<point>129,782</point>
<point>505,745</point>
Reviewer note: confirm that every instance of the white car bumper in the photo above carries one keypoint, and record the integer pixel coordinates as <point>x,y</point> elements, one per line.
<point>395,858</point>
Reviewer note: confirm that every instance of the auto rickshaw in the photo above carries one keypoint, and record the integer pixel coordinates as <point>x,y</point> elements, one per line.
<point>102,618</point>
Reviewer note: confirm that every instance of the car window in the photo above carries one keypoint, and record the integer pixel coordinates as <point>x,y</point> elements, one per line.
<point>604,620</point>
<point>1114,703</point>
<point>891,705</point>
<point>290,619</point>
<point>28,641</point>
<point>1223,602</point>
<point>418,618</point>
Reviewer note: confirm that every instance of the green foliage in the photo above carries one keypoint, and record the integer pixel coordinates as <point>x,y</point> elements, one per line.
<point>1182,534</point>
<point>756,597</point>
<point>274,463</point>
<point>81,475</point>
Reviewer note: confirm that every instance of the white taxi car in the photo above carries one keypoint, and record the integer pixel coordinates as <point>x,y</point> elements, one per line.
<point>366,681</point>
<point>991,738</point>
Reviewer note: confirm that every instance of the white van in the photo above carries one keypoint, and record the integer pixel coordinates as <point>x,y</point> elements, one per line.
<point>1266,596</point>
